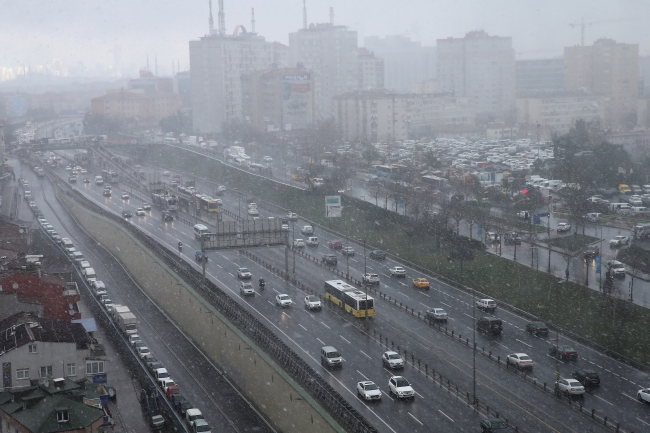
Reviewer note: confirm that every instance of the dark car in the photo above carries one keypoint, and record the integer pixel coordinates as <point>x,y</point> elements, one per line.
<point>155,365</point>
<point>127,214</point>
<point>537,328</point>
<point>512,238</point>
<point>565,353</point>
<point>182,406</point>
<point>167,216</point>
<point>329,259</point>
<point>86,180</point>
<point>591,253</point>
<point>107,193</point>
<point>378,254</point>
<point>489,325</point>
<point>494,425</point>
<point>587,377</point>
<point>177,399</point>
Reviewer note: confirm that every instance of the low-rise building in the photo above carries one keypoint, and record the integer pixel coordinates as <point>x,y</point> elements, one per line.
<point>52,406</point>
<point>35,347</point>
<point>559,111</point>
<point>147,107</point>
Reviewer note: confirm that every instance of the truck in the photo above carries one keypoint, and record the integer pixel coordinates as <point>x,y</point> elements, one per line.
<point>119,309</point>
<point>192,140</point>
<point>127,323</point>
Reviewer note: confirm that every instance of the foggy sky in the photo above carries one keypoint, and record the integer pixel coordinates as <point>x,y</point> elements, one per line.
<point>123,32</point>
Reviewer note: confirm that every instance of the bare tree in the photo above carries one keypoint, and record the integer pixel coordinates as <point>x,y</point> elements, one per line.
<point>375,190</point>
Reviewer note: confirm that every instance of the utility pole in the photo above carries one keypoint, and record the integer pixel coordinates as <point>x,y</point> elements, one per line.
<point>548,230</point>
<point>474,346</point>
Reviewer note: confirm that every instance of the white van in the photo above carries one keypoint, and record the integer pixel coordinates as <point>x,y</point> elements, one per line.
<point>200,230</point>
<point>89,274</point>
<point>624,209</point>
<point>312,241</point>
<point>192,415</point>
<point>66,243</point>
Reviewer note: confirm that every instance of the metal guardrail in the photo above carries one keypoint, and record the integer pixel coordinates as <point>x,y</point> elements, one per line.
<point>293,364</point>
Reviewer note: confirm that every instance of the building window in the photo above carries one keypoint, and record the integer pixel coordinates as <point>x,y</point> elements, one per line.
<point>32,348</point>
<point>94,367</point>
<point>46,371</point>
<point>72,369</point>
<point>22,373</point>
<point>62,416</point>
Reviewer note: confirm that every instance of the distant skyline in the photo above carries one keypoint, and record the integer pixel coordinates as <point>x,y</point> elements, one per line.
<point>117,35</point>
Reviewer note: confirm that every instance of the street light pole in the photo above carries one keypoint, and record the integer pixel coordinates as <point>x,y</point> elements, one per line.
<point>474,346</point>
<point>548,230</point>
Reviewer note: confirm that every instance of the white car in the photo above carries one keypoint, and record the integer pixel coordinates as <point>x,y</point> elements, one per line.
<point>643,395</point>
<point>299,243</point>
<point>347,251</point>
<point>368,390</point>
<point>146,206</point>
<point>436,315</point>
<point>392,359</point>
<point>563,228</point>
<point>370,278</point>
<point>133,338</point>
<point>400,387</point>
<point>140,212</point>
<point>618,241</point>
<point>268,159</point>
<point>142,351</point>
<point>615,267</point>
<point>166,383</point>
<point>312,302</point>
<point>569,387</point>
<point>100,287</point>
<point>285,227</point>
<point>246,289</point>
<point>244,273</point>
<point>125,196</point>
<point>397,271</point>
<point>253,211</point>
<point>166,173</point>
<point>520,360</point>
<point>283,300</point>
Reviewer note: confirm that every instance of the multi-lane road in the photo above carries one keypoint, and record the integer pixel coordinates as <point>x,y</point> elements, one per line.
<point>527,407</point>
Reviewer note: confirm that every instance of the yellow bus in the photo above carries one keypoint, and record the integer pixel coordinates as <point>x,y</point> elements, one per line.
<point>352,299</point>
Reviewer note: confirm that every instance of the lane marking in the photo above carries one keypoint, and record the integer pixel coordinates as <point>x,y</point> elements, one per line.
<point>302,326</point>
<point>420,422</point>
<point>600,398</point>
<point>632,398</point>
<point>364,353</point>
<point>529,345</point>
<point>446,416</point>
<point>325,325</point>
<point>447,305</point>
<point>344,339</point>
<point>286,315</point>
<point>321,341</point>
<point>642,421</point>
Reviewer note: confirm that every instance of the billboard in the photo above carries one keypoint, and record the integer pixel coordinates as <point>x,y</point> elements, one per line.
<point>333,206</point>
<point>297,95</point>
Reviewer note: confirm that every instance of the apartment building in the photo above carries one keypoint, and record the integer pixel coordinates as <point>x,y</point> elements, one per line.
<point>329,52</point>
<point>148,107</point>
<point>559,111</point>
<point>480,66</point>
<point>608,69</point>
<point>371,70</point>
<point>539,75</point>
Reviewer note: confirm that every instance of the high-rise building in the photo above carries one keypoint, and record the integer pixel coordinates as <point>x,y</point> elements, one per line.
<point>406,62</point>
<point>558,111</point>
<point>329,52</point>
<point>543,75</point>
<point>481,66</point>
<point>183,87</point>
<point>217,62</point>
<point>609,69</point>
<point>278,99</point>
<point>644,73</point>
<point>371,70</point>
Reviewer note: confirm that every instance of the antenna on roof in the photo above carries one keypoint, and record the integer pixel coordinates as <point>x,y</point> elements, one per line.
<point>252,20</point>
<point>304,14</point>
<point>331,15</point>
<point>222,19</point>
<point>211,21</point>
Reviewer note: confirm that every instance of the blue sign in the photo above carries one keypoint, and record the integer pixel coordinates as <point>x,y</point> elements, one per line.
<point>598,264</point>
<point>103,400</point>
<point>480,228</point>
<point>99,378</point>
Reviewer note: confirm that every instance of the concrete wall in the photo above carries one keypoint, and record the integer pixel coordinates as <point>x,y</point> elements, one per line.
<point>257,376</point>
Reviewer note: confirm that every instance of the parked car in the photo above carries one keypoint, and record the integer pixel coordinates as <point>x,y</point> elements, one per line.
<point>563,228</point>
<point>593,217</point>
<point>587,377</point>
<point>564,353</point>
<point>377,254</point>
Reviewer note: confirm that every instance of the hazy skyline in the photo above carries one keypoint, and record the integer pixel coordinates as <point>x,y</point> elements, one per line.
<point>120,33</point>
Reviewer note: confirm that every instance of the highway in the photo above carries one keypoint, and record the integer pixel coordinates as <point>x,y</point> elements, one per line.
<point>528,408</point>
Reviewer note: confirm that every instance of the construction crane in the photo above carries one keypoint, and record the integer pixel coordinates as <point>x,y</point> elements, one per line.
<point>582,25</point>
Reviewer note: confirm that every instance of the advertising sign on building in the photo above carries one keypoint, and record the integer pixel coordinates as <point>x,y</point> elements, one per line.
<point>6,374</point>
<point>297,97</point>
<point>333,206</point>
